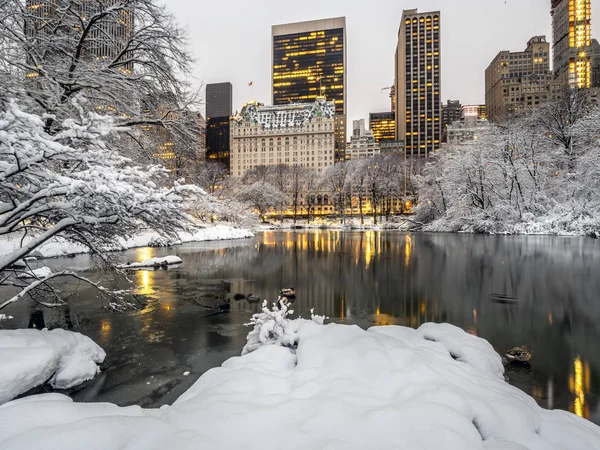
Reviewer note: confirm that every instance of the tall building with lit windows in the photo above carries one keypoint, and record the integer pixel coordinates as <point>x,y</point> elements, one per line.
<point>383,126</point>
<point>418,83</point>
<point>309,61</point>
<point>572,42</point>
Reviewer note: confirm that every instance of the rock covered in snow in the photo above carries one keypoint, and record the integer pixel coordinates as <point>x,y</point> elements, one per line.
<point>153,262</point>
<point>30,358</point>
<point>341,387</point>
<point>42,272</point>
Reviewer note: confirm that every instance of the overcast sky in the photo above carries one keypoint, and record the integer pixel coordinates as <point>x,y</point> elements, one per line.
<point>232,40</point>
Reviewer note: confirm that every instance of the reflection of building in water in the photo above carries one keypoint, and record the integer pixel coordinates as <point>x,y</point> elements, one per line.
<point>579,386</point>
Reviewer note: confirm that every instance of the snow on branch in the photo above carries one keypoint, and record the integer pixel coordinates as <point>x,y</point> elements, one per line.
<point>72,185</point>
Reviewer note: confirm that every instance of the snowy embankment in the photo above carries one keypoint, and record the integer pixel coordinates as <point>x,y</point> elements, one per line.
<point>59,247</point>
<point>560,223</point>
<point>312,386</point>
<point>30,358</point>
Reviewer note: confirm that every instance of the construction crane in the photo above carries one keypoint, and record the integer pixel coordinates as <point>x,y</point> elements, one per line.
<point>388,88</point>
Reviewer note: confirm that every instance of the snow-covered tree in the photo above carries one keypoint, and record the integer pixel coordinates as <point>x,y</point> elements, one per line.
<point>210,176</point>
<point>71,185</point>
<point>537,172</point>
<point>261,196</point>
<point>297,177</point>
<point>128,58</point>
<point>312,184</point>
<point>334,179</point>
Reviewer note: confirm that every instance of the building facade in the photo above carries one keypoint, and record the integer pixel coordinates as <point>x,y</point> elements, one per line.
<point>298,134</point>
<point>519,81</point>
<point>572,42</point>
<point>309,61</point>
<point>219,109</point>
<point>450,113</point>
<point>469,128</point>
<point>392,147</point>
<point>362,143</point>
<point>383,126</point>
<point>418,82</point>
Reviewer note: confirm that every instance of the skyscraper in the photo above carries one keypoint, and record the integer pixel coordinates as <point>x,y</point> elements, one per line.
<point>572,36</point>
<point>219,100</point>
<point>418,82</point>
<point>383,126</point>
<point>219,108</point>
<point>309,61</point>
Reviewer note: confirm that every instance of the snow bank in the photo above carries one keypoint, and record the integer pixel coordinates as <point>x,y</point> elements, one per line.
<point>29,358</point>
<point>153,262</point>
<point>335,387</point>
<point>216,233</point>
<point>42,272</point>
<point>60,247</point>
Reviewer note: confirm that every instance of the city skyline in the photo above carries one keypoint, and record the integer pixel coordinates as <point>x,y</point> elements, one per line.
<point>473,34</point>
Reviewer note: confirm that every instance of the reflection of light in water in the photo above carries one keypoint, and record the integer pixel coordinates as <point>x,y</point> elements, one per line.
<point>407,250</point>
<point>370,248</point>
<point>145,282</point>
<point>105,327</point>
<point>144,253</point>
<point>475,316</point>
<point>537,392</point>
<point>423,308</point>
<point>550,393</point>
<point>579,385</point>
<point>105,330</point>
<point>550,319</point>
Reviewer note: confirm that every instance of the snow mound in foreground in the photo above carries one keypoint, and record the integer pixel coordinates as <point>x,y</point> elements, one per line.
<point>336,387</point>
<point>30,358</point>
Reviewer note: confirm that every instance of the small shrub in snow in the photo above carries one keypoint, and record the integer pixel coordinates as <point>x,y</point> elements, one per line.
<point>272,327</point>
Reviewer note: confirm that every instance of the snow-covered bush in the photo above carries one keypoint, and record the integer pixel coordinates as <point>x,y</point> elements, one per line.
<point>272,327</point>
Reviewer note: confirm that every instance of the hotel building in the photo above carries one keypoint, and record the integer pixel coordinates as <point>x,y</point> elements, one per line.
<point>298,134</point>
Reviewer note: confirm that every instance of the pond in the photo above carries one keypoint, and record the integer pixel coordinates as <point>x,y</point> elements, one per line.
<point>536,291</point>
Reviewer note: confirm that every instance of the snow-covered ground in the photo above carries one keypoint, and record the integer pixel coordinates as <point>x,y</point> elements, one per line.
<point>30,358</point>
<point>59,247</point>
<point>321,387</point>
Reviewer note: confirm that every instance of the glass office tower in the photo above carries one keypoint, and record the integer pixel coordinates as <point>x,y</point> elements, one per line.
<point>309,61</point>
